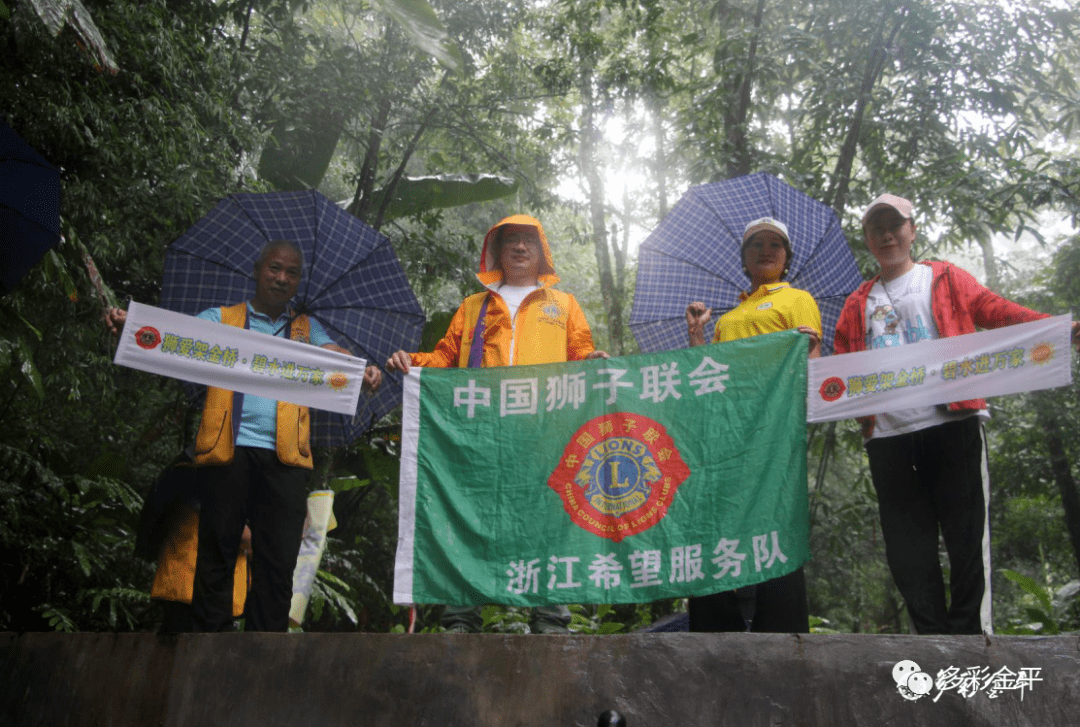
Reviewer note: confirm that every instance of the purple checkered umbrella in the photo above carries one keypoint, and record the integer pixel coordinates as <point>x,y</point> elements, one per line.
<point>353,283</point>
<point>693,254</point>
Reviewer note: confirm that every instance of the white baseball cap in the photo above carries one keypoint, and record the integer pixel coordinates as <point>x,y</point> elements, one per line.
<point>899,204</point>
<point>765,223</point>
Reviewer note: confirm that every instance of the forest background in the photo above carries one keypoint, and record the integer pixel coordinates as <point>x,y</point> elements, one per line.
<point>594,115</point>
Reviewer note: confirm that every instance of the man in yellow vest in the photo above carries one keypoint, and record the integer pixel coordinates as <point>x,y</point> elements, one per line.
<point>519,319</point>
<point>254,456</point>
<point>255,464</point>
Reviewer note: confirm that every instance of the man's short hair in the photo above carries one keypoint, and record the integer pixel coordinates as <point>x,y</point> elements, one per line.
<point>277,245</point>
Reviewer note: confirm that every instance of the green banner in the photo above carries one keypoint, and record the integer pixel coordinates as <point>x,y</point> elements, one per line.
<point>623,480</point>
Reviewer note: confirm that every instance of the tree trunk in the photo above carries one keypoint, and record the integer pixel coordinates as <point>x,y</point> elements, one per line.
<point>990,263</point>
<point>388,192</point>
<point>590,140</point>
<point>838,194</point>
<point>365,184</point>
<point>363,199</point>
<point>660,163</point>
<point>1061,467</point>
<point>737,117</point>
<point>841,176</point>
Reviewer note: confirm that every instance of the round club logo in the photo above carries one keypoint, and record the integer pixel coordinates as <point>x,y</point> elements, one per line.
<point>552,314</point>
<point>618,475</point>
<point>338,381</point>
<point>1042,353</point>
<point>832,388</point>
<point>147,337</point>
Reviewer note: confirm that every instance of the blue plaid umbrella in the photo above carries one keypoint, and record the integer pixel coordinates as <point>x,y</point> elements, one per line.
<point>353,283</point>
<point>29,207</point>
<point>694,255</point>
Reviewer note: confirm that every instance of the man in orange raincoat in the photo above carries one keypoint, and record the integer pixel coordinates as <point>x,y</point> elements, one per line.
<point>520,319</point>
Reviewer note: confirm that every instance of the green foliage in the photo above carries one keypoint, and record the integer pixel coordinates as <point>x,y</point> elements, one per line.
<point>586,620</point>
<point>55,14</point>
<point>424,29</point>
<point>1035,531</point>
<point>67,543</point>
<point>594,620</point>
<point>819,625</point>
<point>1042,615</point>
<point>848,581</point>
<point>142,154</point>
<point>603,619</point>
<point>352,590</point>
<point>333,594</point>
<point>415,196</point>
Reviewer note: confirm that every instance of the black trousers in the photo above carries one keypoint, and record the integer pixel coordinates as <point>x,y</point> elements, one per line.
<point>777,606</point>
<point>258,490</point>
<point>927,480</point>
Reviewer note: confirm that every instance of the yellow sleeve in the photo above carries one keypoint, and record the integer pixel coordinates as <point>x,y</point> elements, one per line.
<point>448,349</point>
<point>804,311</point>
<point>579,342</point>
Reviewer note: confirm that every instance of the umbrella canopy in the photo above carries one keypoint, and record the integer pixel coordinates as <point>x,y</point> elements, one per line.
<point>353,283</point>
<point>29,207</point>
<point>694,255</point>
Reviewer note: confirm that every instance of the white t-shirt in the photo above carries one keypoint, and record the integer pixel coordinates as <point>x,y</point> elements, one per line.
<point>898,312</point>
<point>513,295</point>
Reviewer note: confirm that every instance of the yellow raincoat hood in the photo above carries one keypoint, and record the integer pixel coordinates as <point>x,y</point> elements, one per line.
<point>490,273</point>
<point>549,327</point>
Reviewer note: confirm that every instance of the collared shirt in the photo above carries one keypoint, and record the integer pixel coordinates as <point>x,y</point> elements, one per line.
<point>258,422</point>
<point>770,308</point>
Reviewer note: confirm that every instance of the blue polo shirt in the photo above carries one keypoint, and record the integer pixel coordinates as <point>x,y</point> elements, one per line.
<point>258,422</point>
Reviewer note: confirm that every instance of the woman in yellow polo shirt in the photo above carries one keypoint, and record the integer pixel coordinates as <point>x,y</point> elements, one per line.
<point>778,605</point>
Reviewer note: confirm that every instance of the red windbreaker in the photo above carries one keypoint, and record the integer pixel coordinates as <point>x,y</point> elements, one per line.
<point>959,304</point>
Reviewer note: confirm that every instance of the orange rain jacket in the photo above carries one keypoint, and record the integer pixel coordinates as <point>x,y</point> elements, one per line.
<point>550,326</point>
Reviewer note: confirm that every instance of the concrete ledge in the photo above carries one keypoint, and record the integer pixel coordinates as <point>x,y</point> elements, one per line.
<point>656,680</point>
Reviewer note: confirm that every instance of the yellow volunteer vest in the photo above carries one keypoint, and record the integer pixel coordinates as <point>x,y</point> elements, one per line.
<point>174,579</point>
<point>214,442</point>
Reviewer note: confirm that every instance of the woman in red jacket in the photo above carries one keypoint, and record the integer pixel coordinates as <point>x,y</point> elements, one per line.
<point>928,464</point>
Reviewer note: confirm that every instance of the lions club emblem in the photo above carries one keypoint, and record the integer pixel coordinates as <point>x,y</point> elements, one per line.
<point>147,337</point>
<point>832,388</point>
<point>618,475</point>
<point>551,309</point>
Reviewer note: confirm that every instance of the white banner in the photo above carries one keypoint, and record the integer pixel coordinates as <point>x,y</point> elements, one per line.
<point>320,520</point>
<point>1007,360</point>
<point>203,352</point>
